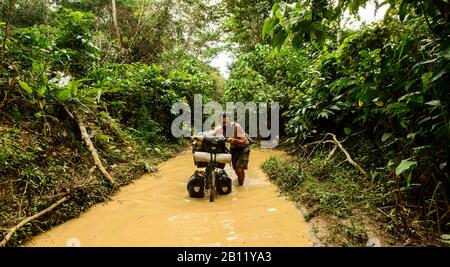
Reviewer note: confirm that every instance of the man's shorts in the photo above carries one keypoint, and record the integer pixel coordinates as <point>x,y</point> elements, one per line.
<point>240,156</point>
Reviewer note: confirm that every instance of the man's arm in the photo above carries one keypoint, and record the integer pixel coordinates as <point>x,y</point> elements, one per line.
<point>215,131</point>
<point>240,139</point>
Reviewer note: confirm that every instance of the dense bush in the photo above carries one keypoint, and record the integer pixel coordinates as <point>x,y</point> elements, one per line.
<point>385,84</point>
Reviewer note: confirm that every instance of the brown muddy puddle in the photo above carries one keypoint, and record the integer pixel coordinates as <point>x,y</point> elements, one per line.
<point>156,211</point>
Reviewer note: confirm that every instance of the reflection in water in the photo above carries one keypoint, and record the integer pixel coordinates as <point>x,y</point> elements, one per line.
<point>157,211</point>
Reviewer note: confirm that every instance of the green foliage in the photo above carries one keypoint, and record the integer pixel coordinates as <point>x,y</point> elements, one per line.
<point>190,77</point>
<point>264,75</point>
<point>141,96</point>
<point>358,86</point>
<point>243,21</point>
<point>286,174</point>
<point>76,50</point>
<point>26,12</point>
<point>385,83</point>
<point>54,59</point>
<point>367,85</point>
<point>304,21</point>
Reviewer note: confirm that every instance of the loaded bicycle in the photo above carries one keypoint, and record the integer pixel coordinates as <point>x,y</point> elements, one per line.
<point>212,154</point>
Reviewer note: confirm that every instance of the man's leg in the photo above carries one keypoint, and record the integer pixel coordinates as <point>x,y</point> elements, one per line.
<point>240,174</point>
<point>240,162</point>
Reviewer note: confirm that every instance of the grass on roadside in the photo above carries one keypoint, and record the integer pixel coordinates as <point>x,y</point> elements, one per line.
<point>329,189</point>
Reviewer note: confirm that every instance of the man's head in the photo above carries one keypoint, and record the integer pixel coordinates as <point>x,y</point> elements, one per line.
<point>226,119</point>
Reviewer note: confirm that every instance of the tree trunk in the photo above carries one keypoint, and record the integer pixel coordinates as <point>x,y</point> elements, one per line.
<point>116,26</point>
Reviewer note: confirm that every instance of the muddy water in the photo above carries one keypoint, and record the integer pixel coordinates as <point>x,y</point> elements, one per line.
<point>157,211</point>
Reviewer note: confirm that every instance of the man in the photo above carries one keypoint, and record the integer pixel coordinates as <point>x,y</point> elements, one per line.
<point>239,144</point>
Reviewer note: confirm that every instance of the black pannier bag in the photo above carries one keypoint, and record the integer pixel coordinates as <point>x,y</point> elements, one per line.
<point>214,144</point>
<point>223,183</point>
<point>196,185</point>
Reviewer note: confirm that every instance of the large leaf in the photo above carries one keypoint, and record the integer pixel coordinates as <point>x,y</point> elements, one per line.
<point>273,24</point>
<point>412,135</point>
<point>408,178</point>
<point>275,7</point>
<point>266,27</point>
<point>26,87</point>
<point>38,67</point>
<point>63,95</point>
<point>425,62</point>
<point>378,102</point>
<point>279,38</point>
<point>279,13</point>
<point>269,26</point>
<point>405,165</point>
<point>425,120</point>
<point>103,137</point>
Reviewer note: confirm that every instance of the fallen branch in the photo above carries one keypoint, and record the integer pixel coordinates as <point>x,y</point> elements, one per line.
<point>319,142</point>
<point>347,155</point>
<point>29,219</point>
<point>91,148</point>
<point>337,144</point>
<point>332,152</point>
<point>340,163</point>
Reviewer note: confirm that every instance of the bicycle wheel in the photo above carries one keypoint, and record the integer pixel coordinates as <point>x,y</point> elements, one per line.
<point>213,186</point>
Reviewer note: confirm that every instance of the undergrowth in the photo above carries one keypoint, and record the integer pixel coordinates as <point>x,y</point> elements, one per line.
<point>335,191</point>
